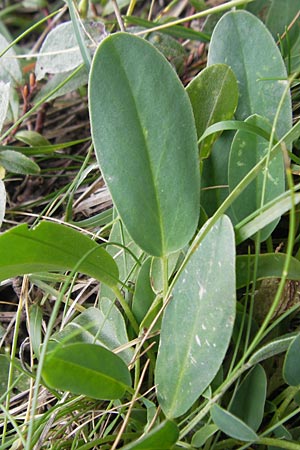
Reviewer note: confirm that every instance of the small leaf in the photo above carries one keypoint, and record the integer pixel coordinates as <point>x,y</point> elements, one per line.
<point>201,436</point>
<point>291,367</point>
<point>32,138</point>
<point>214,97</point>
<point>2,201</point>
<point>86,369</point>
<point>18,163</point>
<point>35,318</point>
<point>198,321</point>
<point>53,247</point>
<point>231,425</point>
<point>249,400</point>
<point>151,164</point>
<point>162,437</point>
<point>104,326</point>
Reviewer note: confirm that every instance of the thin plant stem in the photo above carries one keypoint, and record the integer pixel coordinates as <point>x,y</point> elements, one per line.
<point>214,10</point>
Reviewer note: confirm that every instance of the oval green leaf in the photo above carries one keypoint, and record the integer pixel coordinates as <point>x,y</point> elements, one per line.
<point>201,436</point>
<point>257,65</point>
<point>231,425</point>
<point>86,369</point>
<point>52,247</point>
<point>146,143</point>
<point>214,97</point>
<point>162,437</point>
<point>291,367</point>
<point>249,400</point>
<point>246,151</point>
<point>18,163</point>
<point>198,321</point>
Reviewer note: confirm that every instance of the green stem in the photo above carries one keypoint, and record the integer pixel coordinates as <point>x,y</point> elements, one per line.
<point>126,309</point>
<point>214,10</point>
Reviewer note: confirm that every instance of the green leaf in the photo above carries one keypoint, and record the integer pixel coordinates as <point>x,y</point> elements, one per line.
<point>60,51</point>
<point>214,180</point>
<point>2,201</point>
<point>201,436</point>
<point>32,138</point>
<point>277,15</point>
<point>10,71</point>
<point>270,265</point>
<point>249,400</point>
<point>231,425</point>
<point>178,31</point>
<point>273,348</point>
<point>51,246</point>
<point>291,367</point>
<point>143,294</point>
<point>104,326</point>
<point>161,437</point>
<point>246,151</point>
<point>198,321</point>
<point>145,141</point>
<point>86,369</point>
<point>214,97</point>
<point>266,215</point>
<point>35,318</point>
<point>257,64</point>
<point>125,253</point>
<point>20,380</point>
<point>18,163</point>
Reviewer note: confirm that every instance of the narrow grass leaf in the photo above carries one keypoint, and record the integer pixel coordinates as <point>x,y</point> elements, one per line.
<point>291,367</point>
<point>162,437</point>
<point>231,425</point>
<point>262,217</point>
<point>53,247</point>
<point>249,400</point>
<point>86,369</point>
<point>257,65</point>
<point>214,97</point>
<point>146,143</point>
<point>198,321</point>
